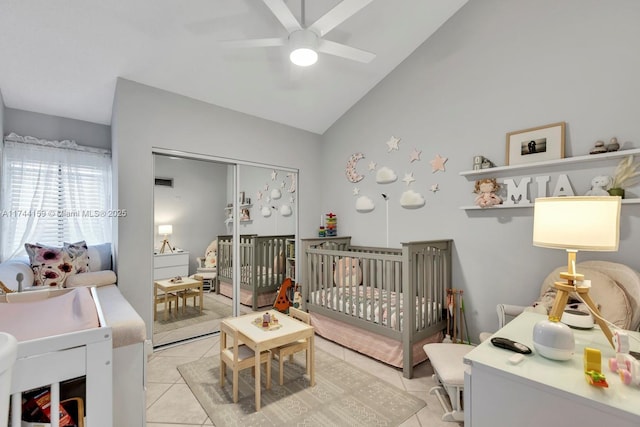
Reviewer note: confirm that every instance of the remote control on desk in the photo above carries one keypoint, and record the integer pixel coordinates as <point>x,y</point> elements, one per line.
<point>508,344</point>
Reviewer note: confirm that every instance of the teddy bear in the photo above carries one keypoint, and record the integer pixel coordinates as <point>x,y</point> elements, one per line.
<point>211,255</point>
<point>599,186</point>
<point>486,189</point>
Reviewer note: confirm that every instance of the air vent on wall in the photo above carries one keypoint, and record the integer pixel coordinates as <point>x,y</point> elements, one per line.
<point>165,182</point>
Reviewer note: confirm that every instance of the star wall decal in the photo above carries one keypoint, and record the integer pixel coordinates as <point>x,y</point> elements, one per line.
<point>274,175</point>
<point>408,178</point>
<point>292,199</point>
<point>437,164</point>
<point>415,155</point>
<point>266,187</point>
<point>356,191</point>
<point>259,195</point>
<point>392,143</point>
<point>434,188</point>
<point>372,166</point>
<point>282,184</point>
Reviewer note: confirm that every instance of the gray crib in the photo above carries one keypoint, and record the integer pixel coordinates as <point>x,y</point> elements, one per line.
<point>397,294</point>
<point>262,267</point>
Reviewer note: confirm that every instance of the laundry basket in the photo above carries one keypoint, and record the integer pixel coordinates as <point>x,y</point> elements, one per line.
<point>8,349</point>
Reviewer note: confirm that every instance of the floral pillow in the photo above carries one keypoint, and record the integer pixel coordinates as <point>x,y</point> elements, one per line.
<point>51,266</point>
<point>79,254</point>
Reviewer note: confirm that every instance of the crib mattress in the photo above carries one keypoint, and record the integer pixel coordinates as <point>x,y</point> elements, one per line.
<point>372,304</point>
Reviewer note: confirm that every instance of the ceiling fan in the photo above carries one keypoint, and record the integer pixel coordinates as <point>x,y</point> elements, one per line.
<point>305,42</point>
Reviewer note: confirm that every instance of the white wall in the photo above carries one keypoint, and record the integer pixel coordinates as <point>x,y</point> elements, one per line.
<point>193,206</point>
<point>144,118</point>
<point>494,67</point>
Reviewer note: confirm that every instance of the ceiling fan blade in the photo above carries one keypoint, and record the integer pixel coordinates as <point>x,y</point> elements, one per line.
<point>284,15</point>
<point>337,15</point>
<point>253,43</point>
<point>344,51</point>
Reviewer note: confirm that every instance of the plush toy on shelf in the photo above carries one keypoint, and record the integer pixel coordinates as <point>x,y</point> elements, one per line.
<point>486,189</point>
<point>599,186</point>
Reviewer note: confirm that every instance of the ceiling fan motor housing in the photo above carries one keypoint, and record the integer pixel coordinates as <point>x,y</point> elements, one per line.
<point>303,46</point>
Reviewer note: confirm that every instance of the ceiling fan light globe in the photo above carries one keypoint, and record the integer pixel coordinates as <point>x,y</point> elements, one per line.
<point>303,57</point>
<point>303,48</point>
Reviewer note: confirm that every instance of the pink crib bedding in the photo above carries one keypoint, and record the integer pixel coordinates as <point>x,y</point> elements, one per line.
<point>374,305</point>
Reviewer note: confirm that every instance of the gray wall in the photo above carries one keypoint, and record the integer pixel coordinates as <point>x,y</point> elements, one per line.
<point>43,126</point>
<point>494,67</point>
<point>2,113</point>
<point>193,206</point>
<point>144,118</point>
<point>256,179</point>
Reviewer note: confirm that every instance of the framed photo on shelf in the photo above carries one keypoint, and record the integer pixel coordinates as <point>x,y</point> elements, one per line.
<point>536,144</point>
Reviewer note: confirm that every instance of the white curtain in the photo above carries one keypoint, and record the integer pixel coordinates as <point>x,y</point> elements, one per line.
<point>53,192</point>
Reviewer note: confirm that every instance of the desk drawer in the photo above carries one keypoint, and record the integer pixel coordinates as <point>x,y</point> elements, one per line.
<point>170,265</point>
<point>170,260</point>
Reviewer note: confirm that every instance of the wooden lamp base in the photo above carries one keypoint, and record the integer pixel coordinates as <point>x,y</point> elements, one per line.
<point>165,244</point>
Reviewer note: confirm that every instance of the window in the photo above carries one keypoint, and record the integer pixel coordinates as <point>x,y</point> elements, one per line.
<point>53,194</point>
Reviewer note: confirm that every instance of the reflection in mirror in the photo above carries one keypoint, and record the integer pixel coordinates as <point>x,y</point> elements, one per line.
<point>196,197</point>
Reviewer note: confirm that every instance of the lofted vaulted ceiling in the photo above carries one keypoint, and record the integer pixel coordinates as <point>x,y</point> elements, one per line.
<point>63,57</point>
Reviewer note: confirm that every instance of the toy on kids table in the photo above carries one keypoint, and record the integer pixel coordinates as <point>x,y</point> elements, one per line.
<point>486,189</point>
<point>599,186</point>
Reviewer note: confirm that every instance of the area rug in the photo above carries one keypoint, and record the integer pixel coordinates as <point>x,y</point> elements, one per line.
<point>343,395</point>
<point>211,310</point>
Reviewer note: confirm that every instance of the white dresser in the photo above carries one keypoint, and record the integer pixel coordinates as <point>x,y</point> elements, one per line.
<point>169,265</point>
<point>543,392</point>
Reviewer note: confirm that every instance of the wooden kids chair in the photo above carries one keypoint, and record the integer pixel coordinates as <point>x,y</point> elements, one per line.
<point>294,347</point>
<point>238,357</point>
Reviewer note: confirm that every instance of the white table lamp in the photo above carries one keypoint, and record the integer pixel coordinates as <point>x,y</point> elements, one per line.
<point>165,230</point>
<point>572,223</point>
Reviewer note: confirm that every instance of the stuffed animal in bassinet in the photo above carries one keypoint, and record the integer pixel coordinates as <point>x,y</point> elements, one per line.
<point>486,189</point>
<point>599,186</point>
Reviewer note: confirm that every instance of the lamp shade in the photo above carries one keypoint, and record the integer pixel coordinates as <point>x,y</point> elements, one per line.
<point>577,223</point>
<point>165,229</point>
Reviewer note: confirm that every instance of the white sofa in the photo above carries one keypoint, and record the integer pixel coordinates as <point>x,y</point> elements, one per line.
<point>128,329</point>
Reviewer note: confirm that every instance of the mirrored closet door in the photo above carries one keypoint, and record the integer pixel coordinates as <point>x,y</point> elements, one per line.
<point>207,214</point>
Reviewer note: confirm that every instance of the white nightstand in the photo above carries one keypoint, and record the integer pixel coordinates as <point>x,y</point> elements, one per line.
<point>168,265</point>
<point>539,391</point>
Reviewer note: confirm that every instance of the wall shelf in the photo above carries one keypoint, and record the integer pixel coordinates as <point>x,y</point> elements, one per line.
<point>230,208</point>
<point>508,170</point>
<point>633,201</point>
<point>549,163</point>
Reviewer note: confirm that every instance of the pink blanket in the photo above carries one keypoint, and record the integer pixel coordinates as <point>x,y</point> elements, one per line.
<point>70,312</point>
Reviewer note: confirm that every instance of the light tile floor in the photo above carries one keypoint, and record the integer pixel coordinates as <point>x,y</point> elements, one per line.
<point>170,402</point>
